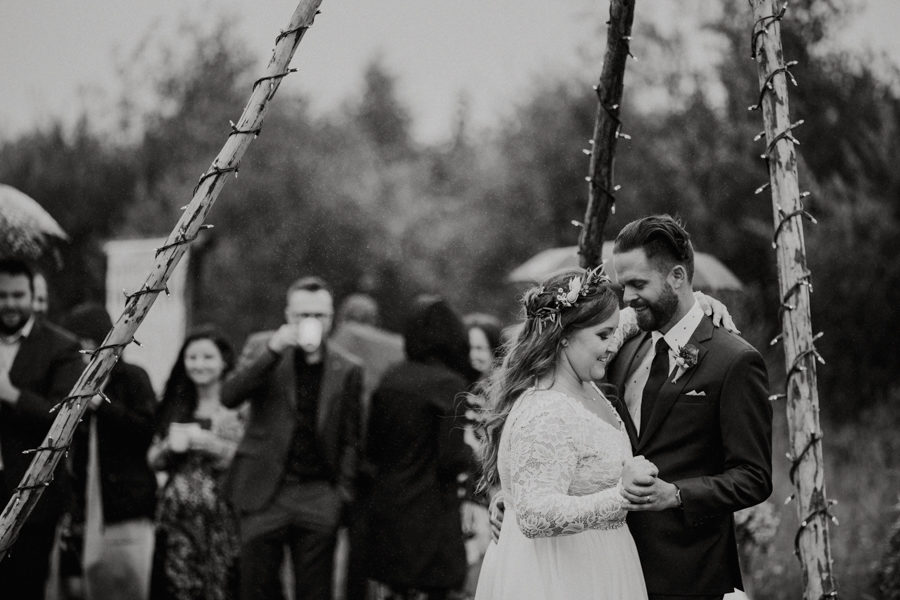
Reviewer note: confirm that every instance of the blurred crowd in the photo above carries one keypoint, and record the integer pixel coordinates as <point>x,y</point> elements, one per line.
<point>330,458</point>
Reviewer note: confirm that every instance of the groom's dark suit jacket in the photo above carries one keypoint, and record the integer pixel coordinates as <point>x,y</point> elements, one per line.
<point>716,445</point>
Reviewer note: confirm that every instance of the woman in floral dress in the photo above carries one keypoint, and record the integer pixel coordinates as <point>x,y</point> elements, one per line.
<point>197,540</point>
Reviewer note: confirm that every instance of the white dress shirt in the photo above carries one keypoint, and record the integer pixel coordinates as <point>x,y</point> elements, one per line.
<point>677,337</point>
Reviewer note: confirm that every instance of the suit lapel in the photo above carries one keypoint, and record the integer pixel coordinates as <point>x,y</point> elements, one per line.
<point>27,356</point>
<point>332,376</point>
<point>624,362</point>
<point>669,391</point>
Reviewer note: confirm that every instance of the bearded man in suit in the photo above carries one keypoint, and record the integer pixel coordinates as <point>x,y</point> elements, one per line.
<point>694,400</point>
<point>293,476</point>
<point>39,364</point>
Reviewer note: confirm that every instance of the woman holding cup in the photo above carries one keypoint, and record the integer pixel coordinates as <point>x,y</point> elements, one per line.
<point>197,543</point>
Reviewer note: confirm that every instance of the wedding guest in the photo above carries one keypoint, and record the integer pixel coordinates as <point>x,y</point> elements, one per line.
<point>41,300</point>
<point>197,538</point>
<point>39,364</point>
<point>484,348</point>
<point>115,489</point>
<point>484,341</point>
<point>356,330</point>
<point>294,477</point>
<point>414,543</point>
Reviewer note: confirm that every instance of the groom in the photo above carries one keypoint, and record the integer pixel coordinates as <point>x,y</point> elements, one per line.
<point>694,401</point>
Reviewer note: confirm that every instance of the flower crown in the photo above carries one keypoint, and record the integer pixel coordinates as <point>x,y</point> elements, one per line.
<point>581,286</point>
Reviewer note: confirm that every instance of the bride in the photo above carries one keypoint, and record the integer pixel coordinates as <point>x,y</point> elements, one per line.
<point>555,445</point>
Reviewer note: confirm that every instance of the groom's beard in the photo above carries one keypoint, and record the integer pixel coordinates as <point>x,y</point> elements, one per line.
<point>658,313</point>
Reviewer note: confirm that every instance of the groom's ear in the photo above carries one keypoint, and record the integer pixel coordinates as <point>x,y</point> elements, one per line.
<point>678,277</point>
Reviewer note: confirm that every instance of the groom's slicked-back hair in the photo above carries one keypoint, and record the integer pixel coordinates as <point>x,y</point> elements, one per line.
<point>663,240</point>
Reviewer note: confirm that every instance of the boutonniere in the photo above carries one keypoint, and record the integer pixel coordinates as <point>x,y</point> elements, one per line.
<point>685,359</point>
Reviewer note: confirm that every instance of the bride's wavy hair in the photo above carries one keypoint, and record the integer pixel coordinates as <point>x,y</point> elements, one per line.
<point>550,312</point>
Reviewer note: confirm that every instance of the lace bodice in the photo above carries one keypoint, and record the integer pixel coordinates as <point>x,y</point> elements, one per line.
<point>560,465</point>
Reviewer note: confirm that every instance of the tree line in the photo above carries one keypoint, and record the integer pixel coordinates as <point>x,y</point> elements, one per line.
<point>352,196</point>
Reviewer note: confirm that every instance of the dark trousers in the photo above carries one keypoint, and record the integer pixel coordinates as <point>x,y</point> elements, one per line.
<point>304,518</point>
<point>312,554</point>
<point>23,573</point>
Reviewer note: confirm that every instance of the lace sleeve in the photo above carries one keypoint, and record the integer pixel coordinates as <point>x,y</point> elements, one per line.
<point>543,454</point>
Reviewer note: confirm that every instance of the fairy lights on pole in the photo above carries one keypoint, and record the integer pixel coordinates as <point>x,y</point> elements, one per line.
<point>811,542</point>
<point>607,132</point>
<point>71,409</point>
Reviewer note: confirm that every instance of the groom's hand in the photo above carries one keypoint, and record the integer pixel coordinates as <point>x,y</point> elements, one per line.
<point>660,495</point>
<point>495,513</point>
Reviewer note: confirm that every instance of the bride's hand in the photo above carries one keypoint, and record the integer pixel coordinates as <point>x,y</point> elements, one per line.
<point>638,471</point>
<point>718,311</point>
<point>495,512</point>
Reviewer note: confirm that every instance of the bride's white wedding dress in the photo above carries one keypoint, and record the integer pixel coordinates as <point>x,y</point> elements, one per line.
<point>564,535</point>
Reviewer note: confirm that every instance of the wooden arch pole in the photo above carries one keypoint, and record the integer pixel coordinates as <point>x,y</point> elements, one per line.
<point>95,375</point>
<point>607,131</point>
<point>807,470</point>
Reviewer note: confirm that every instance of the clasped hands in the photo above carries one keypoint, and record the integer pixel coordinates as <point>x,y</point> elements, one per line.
<point>643,489</point>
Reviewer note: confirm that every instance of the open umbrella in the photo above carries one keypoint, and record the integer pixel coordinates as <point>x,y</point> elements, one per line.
<point>26,229</point>
<point>709,272</point>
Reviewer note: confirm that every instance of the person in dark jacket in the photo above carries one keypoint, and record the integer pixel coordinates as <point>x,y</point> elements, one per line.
<point>39,364</point>
<point>111,449</point>
<point>413,535</point>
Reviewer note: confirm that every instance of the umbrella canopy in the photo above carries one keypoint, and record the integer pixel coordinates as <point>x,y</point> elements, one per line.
<point>26,229</point>
<point>709,272</point>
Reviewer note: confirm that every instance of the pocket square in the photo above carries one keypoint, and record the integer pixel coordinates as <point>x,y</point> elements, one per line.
<point>696,393</point>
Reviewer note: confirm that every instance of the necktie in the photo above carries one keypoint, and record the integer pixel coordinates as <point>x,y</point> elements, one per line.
<point>659,370</point>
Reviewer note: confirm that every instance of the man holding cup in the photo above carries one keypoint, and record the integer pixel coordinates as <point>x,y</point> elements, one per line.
<point>293,474</point>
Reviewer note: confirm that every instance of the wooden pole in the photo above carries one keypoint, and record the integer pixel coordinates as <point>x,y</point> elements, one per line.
<point>95,375</point>
<point>607,131</point>
<point>807,469</point>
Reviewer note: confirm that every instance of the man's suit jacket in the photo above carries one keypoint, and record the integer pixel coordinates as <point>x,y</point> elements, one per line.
<point>268,382</point>
<point>45,369</point>
<point>710,433</point>
<point>124,434</point>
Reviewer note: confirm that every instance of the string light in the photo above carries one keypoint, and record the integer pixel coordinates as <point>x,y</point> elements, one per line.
<point>180,242</point>
<point>235,131</point>
<point>612,111</point>
<point>272,79</point>
<point>763,24</point>
<point>301,29</point>
<point>214,171</point>
<point>769,87</point>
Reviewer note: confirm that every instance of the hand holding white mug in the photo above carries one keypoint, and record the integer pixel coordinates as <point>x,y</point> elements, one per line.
<point>285,337</point>
<point>180,435</point>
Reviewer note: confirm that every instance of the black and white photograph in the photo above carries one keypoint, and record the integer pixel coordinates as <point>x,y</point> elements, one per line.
<point>410,300</point>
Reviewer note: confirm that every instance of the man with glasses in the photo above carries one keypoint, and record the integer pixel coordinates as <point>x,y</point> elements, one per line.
<point>293,474</point>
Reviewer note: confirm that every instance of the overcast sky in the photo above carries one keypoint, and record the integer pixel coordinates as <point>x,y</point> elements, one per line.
<point>57,56</point>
